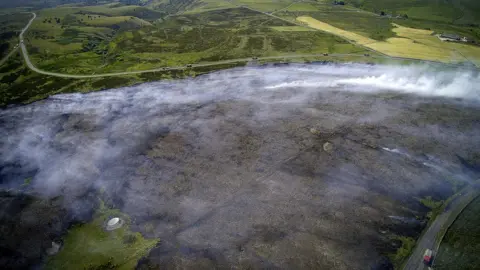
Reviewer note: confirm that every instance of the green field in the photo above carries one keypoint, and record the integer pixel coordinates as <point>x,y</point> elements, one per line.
<point>264,5</point>
<point>291,28</point>
<point>125,43</point>
<point>19,85</point>
<point>460,246</point>
<point>90,246</point>
<point>451,11</point>
<point>9,26</point>
<point>103,37</point>
<point>99,37</point>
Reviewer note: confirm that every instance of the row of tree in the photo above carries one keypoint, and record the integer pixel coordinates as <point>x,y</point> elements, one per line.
<point>49,20</point>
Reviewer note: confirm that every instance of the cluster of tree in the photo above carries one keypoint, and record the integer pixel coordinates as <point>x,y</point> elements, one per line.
<point>403,16</point>
<point>49,20</point>
<point>92,44</point>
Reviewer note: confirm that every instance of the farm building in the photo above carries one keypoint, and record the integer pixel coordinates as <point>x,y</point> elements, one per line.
<point>452,37</point>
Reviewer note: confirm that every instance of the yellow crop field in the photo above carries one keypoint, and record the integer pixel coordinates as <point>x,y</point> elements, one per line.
<point>291,28</point>
<point>359,39</point>
<point>407,48</point>
<point>409,43</point>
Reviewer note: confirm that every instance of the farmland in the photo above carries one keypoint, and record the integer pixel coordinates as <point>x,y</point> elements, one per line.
<point>407,43</point>
<point>83,39</point>
<point>130,43</point>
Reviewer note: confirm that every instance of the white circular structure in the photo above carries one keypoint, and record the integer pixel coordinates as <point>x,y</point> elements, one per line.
<point>53,249</point>
<point>113,221</point>
<point>114,224</point>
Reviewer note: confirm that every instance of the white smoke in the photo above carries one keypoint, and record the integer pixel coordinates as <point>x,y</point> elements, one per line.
<point>207,159</point>
<point>419,80</point>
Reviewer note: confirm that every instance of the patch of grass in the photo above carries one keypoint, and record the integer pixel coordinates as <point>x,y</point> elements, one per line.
<point>90,246</point>
<point>218,34</point>
<point>9,30</point>
<point>430,203</point>
<point>109,82</point>
<point>435,206</point>
<point>27,181</point>
<point>460,246</point>
<point>359,39</point>
<point>301,6</point>
<point>451,11</point>
<point>403,252</point>
<point>264,5</point>
<point>209,5</point>
<point>291,28</point>
<point>105,21</point>
<point>344,17</point>
<point>19,85</point>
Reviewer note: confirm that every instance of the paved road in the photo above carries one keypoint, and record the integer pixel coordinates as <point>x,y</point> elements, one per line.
<point>230,61</point>
<point>429,238</point>
<point>15,48</point>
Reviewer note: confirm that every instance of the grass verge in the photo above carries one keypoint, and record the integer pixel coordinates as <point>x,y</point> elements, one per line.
<point>90,246</point>
<point>460,246</point>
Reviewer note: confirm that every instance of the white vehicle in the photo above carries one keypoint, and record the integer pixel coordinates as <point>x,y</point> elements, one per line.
<point>427,257</point>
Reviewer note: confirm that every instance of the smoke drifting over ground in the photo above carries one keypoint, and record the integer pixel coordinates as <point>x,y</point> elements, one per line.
<point>231,168</point>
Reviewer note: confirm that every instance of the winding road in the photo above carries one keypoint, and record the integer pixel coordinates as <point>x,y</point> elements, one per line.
<point>206,64</point>
<point>230,61</point>
<point>434,233</point>
<point>428,240</point>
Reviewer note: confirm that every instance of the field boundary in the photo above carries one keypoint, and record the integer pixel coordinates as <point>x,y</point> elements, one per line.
<point>32,67</point>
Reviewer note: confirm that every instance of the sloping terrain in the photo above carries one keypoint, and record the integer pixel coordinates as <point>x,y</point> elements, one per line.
<point>452,11</point>
<point>296,167</point>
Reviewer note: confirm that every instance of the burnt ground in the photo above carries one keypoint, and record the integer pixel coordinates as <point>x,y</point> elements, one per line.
<point>234,178</point>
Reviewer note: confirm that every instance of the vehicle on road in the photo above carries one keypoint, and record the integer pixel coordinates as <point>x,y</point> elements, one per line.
<point>427,257</point>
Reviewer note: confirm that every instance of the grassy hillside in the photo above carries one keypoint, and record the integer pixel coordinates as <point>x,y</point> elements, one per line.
<point>90,246</point>
<point>451,11</point>
<point>9,26</point>
<point>460,248</point>
<point>92,37</point>
<point>97,41</point>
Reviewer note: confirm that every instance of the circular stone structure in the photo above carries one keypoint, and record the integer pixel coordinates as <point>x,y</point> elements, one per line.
<point>114,224</point>
<point>328,147</point>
